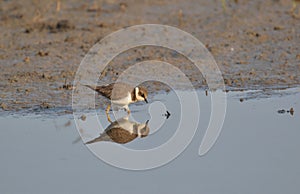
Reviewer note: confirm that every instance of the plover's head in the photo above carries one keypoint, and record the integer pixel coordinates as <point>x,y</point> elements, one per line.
<point>141,94</point>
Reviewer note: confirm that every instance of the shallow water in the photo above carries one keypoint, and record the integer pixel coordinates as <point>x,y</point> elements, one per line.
<point>256,152</point>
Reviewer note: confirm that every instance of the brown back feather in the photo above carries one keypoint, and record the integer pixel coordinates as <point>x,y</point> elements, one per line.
<point>114,91</point>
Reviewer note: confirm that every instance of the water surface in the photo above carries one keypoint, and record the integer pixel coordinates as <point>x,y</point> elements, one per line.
<point>257,152</point>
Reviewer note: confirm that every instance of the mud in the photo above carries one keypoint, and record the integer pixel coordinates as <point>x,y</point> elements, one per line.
<point>255,44</point>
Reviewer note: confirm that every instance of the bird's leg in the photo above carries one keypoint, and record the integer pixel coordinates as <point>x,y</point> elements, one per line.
<point>107,113</point>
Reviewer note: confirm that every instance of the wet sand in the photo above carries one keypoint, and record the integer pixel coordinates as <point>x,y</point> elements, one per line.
<point>255,43</point>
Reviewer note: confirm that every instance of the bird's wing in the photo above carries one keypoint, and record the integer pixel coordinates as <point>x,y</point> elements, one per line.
<point>121,136</point>
<point>117,135</point>
<point>115,91</point>
<point>103,90</point>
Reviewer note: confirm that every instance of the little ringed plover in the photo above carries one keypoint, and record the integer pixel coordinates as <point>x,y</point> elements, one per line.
<point>121,94</point>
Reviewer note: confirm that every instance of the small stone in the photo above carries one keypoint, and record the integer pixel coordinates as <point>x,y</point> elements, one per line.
<point>45,105</point>
<point>292,111</point>
<point>278,28</point>
<point>64,25</point>
<point>83,117</point>
<point>42,53</point>
<point>123,6</point>
<point>28,30</point>
<point>167,114</point>
<point>26,59</point>
<point>3,106</point>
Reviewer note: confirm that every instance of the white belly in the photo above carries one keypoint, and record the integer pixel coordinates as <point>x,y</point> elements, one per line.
<point>123,101</point>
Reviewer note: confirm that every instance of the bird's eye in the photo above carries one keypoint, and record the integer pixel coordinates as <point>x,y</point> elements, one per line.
<point>143,95</point>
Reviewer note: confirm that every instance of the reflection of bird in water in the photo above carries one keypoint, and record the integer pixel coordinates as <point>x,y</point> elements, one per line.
<point>122,131</point>
<point>121,95</point>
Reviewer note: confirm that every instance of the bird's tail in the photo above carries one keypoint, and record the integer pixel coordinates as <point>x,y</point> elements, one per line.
<point>97,89</point>
<point>92,87</point>
<point>103,137</point>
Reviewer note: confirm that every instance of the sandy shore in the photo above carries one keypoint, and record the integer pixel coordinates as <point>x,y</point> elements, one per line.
<point>255,43</point>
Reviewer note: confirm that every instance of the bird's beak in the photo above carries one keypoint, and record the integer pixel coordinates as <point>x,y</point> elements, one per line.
<point>147,122</point>
<point>146,100</point>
